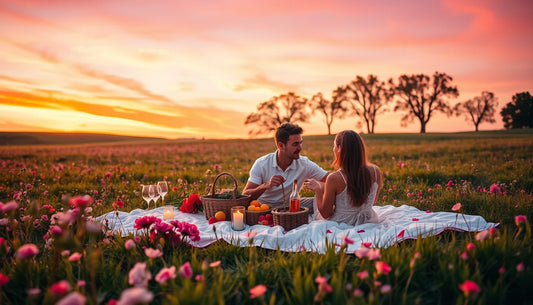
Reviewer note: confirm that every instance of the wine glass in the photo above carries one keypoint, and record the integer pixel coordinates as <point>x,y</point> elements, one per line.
<point>155,193</point>
<point>164,190</point>
<point>146,194</point>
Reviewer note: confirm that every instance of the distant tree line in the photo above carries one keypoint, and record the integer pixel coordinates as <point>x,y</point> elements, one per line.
<point>417,96</point>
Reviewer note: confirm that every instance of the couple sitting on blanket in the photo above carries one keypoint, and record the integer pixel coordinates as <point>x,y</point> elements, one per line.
<point>346,195</point>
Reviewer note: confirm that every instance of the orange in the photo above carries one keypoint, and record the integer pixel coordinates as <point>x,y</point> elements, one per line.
<point>264,207</point>
<point>255,203</point>
<point>252,208</point>
<point>220,216</point>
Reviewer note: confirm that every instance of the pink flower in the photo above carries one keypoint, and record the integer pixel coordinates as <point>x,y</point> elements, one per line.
<point>385,288</point>
<point>27,251</point>
<point>520,219</point>
<point>33,291</point>
<point>73,298</point>
<point>328,231</point>
<point>464,255</point>
<point>81,283</point>
<point>358,292</point>
<point>186,270</point>
<point>119,203</point>
<point>139,275</point>
<point>10,206</point>
<point>469,287</point>
<point>520,267</point>
<point>367,244</point>
<point>251,234</point>
<point>165,274</point>
<point>361,231</point>
<point>480,236</point>
<point>346,240</point>
<point>214,264</point>
<point>382,267</point>
<point>323,285</point>
<point>60,288</point>
<point>74,257</point>
<point>374,254</point>
<point>152,253</point>
<point>415,219</point>
<point>362,274</point>
<point>456,207</point>
<point>362,252</point>
<point>135,295</point>
<point>501,270</point>
<point>257,291</point>
<point>4,279</point>
<point>81,201</point>
<point>470,247</point>
<point>495,189</point>
<point>450,183</point>
<point>129,244</point>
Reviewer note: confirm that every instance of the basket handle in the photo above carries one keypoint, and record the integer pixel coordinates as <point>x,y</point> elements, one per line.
<point>234,181</point>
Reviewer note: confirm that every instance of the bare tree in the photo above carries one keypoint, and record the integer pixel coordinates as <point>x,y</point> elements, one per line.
<point>367,98</point>
<point>421,96</point>
<point>331,109</point>
<point>479,109</point>
<point>286,108</point>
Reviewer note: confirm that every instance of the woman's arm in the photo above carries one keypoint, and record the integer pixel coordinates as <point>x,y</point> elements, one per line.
<point>325,193</point>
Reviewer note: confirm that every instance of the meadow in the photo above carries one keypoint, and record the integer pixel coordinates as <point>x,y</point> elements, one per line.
<point>52,253</point>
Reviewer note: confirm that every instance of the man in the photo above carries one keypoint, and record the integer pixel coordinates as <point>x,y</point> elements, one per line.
<point>283,166</point>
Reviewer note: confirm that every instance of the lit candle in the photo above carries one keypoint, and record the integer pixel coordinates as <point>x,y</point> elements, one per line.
<point>168,212</point>
<point>237,218</point>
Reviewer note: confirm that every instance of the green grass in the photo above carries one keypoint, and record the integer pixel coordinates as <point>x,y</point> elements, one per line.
<point>417,169</point>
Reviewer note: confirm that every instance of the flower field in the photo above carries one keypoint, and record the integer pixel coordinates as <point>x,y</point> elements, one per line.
<point>52,252</point>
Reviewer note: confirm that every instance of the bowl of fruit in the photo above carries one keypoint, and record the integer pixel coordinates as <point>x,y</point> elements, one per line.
<point>257,213</point>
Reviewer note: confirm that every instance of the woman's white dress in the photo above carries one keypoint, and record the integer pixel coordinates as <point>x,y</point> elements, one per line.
<point>347,213</point>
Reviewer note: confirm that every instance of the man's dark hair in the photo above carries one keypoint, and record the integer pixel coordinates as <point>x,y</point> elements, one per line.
<point>285,131</point>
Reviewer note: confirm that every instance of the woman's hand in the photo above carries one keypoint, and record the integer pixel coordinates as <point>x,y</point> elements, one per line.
<point>313,185</point>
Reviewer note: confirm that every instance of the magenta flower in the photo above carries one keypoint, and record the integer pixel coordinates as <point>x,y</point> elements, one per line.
<point>215,264</point>
<point>165,274</point>
<point>469,287</point>
<point>480,236</point>
<point>139,275</point>
<point>382,268</point>
<point>186,270</point>
<point>457,206</point>
<point>520,267</point>
<point>81,201</point>
<point>257,291</point>
<point>27,251</point>
<point>415,219</point>
<point>360,231</point>
<point>145,222</point>
<point>152,253</point>
<point>74,257</point>
<point>136,295</point>
<point>385,288</point>
<point>470,247</point>
<point>367,244</point>
<point>73,298</point>
<point>495,189</point>
<point>401,234</point>
<point>362,274</point>
<point>60,288</point>
<point>4,279</point>
<point>520,219</point>
<point>450,183</point>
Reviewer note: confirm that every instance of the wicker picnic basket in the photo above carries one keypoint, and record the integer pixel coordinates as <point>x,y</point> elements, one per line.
<point>252,217</point>
<point>290,220</point>
<point>212,204</point>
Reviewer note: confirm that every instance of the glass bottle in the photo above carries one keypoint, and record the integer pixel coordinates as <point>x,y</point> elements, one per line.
<point>295,198</point>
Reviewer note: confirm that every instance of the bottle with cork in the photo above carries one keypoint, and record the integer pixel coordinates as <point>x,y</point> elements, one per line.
<point>295,198</point>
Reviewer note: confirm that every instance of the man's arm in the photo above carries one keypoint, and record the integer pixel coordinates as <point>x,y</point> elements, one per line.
<point>256,190</point>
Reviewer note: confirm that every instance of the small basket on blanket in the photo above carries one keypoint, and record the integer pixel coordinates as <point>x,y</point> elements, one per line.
<point>212,204</point>
<point>289,220</point>
<point>252,217</point>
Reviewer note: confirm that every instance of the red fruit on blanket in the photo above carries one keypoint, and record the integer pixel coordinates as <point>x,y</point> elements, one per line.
<point>212,220</point>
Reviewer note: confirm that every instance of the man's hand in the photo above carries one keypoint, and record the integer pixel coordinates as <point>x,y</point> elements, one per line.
<point>275,180</point>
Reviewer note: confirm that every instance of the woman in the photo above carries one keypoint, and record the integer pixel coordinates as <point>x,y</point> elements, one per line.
<point>350,192</point>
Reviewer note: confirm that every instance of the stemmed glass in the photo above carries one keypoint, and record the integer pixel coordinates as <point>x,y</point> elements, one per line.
<point>147,194</point>
<point>163,186</point>
<point>155,193</point>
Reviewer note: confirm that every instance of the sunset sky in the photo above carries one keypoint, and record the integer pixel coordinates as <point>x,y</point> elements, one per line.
<point>197,68</point>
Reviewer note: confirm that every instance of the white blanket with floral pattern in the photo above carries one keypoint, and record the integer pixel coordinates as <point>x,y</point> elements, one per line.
<point>395,224</point>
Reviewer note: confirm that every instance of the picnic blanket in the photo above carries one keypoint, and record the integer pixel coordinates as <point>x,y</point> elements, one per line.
<point>395,224</point>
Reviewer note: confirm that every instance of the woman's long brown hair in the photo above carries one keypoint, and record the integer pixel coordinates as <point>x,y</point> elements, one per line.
<point>352,160</point>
